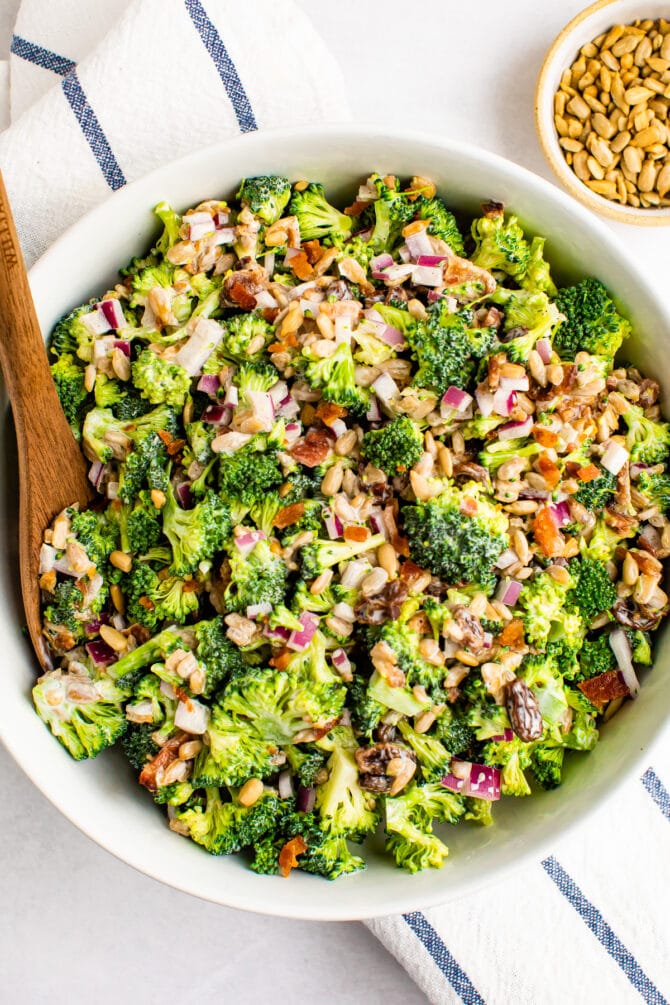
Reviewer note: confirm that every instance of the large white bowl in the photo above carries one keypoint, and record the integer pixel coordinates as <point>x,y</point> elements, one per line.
<point>101,797</point>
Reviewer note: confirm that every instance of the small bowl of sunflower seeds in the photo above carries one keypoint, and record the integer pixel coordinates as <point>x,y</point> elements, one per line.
<point>602,109</point>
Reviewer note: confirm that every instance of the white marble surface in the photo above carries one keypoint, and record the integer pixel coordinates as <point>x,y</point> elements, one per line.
<point>78,925</point>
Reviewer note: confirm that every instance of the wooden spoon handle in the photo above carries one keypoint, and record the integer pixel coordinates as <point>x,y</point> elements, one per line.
<point>52,470</point>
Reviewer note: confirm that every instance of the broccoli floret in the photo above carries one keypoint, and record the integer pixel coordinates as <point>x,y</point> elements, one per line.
<point>537,276</point>
<point>394,448</point>
<point>456,547</point>
<point>171,225</point>
<point>152,600</point>
<point>513,757</point>
<point>655,487</point>
<point>143,526</point>
<point>256,578</point>
<point>154,649</point>
<point>65,611</point>
<point>223,826</point>
<point>409,826</point>
<point>96,533</point>
<point>155,274</point>
<point>444,349</point>
<point>195,534</point>
<point>266,196</point>
<point>335,377</point>
<point>543,600</point>
<point>220,658</point>
<point>392,210</point>
<point>159,380</point>
<point>121,396</point>
<point>529,316</point>
<point>594,591</point>
<point>546,762</point>
<point>239,331</point>
<point>592,323</point>
<point>603,541</point>
<point>478,811</point>
<point>145,465</point>
<point>397,317</point>
<point>500,451</point>
<point>138,745</point>
<point>442,223</point>
<point>500,244</point>
<point>542,677</point>
<point>344,807</point>
<point>69,380</point>
<point>641,646</point>
<point>432,755</point>
<point>647,441</point>
<point>316,217</point>
<point>247,476</point>
<point>366,711</point>
<point>595,657</point>
<point>326,855</point>
<point>597,493</point>
<point>106,438</point>
<point>320,555</point>
<point>251,377</point>
<point>405,644</point>
<point>70,335</point>
<point>306,762</point>
<point>456,733</point>
<point>86,715</point>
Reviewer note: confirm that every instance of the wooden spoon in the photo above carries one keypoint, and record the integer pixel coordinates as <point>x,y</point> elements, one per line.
<point>52,469</point>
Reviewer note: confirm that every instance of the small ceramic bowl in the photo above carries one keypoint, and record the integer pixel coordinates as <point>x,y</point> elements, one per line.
<point>583,28</point>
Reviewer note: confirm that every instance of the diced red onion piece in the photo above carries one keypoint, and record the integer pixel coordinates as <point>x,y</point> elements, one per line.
<point>623,653</point>
<point>561,513</point>
<point>202,342</point>
<point>391,336</point>
<point>279,393</point>
<point>201,216</point>
<point>378,523</point>
<point>215,415</point>
<point>221,219</point>
<point>453,784</point>
<point>300,640</point>
<point>192,716</point>
<point>508,592</point>
<point>95,322</point>
<point>424,275</point>
<point>503,401</point>
<point>614,458</point>
<point>385,388</point>
<point>254,610</point>
<point>354,574</point>
<point>378,264</point>
<point>399,271</point>
<point>404,253</point>
<point>100,652</point>
<point>373,413</point>
<point>334,526</point>
<point>265,299</point>
<point>514,383</point>
<point>246,543</point>
<point>515,430</point>
<point>485,401</point>
<point>269,262</point>
<point>231,399</point>
<point>370,314</point>
<point>341,661</point>
<point>488,640</point>
<point>277,633</point>
<point>479,780</point>
<point>543,347</point>
<point>292,432</point>
<point>457,399</point>
<point>209,384</point>
<point>285,785</point>
<point>289,408</point>
<point>305,799</point>
<point>224,236</point>
<point>431,260</point>
<point>339,427</point>
<point>183,493</point>
<point>507,558</point>
<point>419,244</point>
<point>344,611</point>
<point>504,737</point>
<point>96,472</point>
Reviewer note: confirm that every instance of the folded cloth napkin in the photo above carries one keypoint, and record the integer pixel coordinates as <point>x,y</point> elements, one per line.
<point>101,94</point>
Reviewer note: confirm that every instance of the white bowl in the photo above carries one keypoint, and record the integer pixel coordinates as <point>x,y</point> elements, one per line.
<point>102,797</point>
<point>583,28</point>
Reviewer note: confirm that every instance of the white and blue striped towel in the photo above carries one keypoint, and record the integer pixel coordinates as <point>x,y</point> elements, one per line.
<point>588,925</point>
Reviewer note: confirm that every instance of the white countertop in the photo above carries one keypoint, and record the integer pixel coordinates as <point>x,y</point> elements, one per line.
<point>78,925</point>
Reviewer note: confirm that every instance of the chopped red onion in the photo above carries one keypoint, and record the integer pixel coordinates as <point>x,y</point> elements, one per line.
<point>202,342</point>
<point>614,457</point>
<point>505,737</point>
<point>334,526</point>
<point>404,253</point>
<point>419,244</point>
<point>292,432</point>
<point>479,780</point>
<point>507,558</point>
<point>209,384</point>
<point>543,347</point>
<point>192,716</point>
<point>199,225</point>
<point>254,610</point>
<point>561,513</point>
<point>623,653</point>
<point>285,784</point>
<point>485,401</point>
<point>424,275</point>
<point>399,271</point>
<point>342,662</point>
<point>391,336</point>
<point>299,640</point>
<point>265,299</point>
<point>378,523</point>
<point>216,415</point>
<point>354,574</point>
<point>457,399</point>
<point>224,236</point>
<point>246,543</point>
<point>231,399</point>
<point>183,493</point>
<point>269,262</point>
<point>277,633</point>
<point>339,427</point>
<point>385,388</point>
<point>100,652</point>
<point>515,430</point>
<point>96,473</point>
<point>432,260</point>
<point>305,799</point>
<point>279,393</point>
<point>508,591</point>
<point>289,408</point>
<point>95,322</point>
<point>373,413</point>
<point>514,383</point>
<point>488,640</point>
<point>378,264</point>
<point>503,401</point>
<point>221,219</point>
<point>370,314</point>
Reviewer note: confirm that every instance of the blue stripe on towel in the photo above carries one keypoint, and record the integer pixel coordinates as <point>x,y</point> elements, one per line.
<point>92,130</point>
<point>602,931</point>
<point>224,65</point>
<point>657,791</point>
<point>442,958</point>
<point>40,56</point>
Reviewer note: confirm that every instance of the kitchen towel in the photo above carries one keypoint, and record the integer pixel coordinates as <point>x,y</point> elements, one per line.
<point>101,94</point>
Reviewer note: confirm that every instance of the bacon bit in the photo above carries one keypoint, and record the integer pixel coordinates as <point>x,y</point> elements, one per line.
<point>468,506</point>
<point>400,545</point>
<point>313,251</point>
<point>191,586</point>
<point>313,449</point>
<point>356,208</point>
<point>512,634</point>
<point>241,295</point>
<point>605,687</point>
<point>329,412</point>
<point>569,378</point>
<point>175,447</point>
<point>549,470</point>
<point>288,515</point>
<point>547,534</point>
<point>415,227</point>
<point>356,533</point>
<point>165,436</point>
<point>288,856</point>
<point>146,603</point>
<point>269,314</point>
<point>410,570</point>
<point>545,437</point>
<point>282,659</point>
<point>300,265</point>
<point>165,756</point>
<point>588,473</point>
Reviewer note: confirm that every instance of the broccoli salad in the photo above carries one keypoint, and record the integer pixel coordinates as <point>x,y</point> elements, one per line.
<point>381,522</point>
